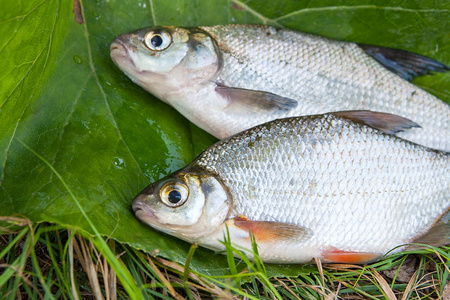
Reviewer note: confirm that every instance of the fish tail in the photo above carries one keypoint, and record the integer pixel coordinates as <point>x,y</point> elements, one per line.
<point>437,235</point>
<point>405,64</point>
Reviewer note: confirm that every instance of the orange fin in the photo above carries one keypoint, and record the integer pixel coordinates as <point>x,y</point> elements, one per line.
<point>437,235</point>
<point>338,256</point>
<point>266,231</point>
<point>385,122</point>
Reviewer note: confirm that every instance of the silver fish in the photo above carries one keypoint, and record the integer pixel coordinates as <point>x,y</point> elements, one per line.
<point>327,186</point>
<point>228,78</point>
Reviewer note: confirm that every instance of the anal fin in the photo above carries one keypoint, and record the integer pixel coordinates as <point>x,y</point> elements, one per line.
<point>243,100</point>
<point>266,231</point>
<point>334,255</point>
<point>404,63</point>
<point>385,122</point>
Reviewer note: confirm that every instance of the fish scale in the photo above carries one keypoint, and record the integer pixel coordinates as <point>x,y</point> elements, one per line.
<point>325,75</point>
<point>407,180</point>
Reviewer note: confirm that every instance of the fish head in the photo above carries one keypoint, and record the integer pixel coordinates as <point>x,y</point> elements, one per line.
<point>188,205</point>
<point>164,59</point>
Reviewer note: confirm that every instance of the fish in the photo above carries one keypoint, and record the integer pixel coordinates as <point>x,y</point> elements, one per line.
<point>228,78</point>
<point>336,187</point>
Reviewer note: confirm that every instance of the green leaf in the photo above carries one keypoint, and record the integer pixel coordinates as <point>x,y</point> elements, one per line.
<point>61,95</point>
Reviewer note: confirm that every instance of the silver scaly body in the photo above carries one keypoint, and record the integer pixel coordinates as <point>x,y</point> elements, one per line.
<point>349,187</point>
<point>229,78</point>
<point>324,75</point>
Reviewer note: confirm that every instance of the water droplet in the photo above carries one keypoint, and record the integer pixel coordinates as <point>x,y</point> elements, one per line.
<point>77,59</point>
<point>86,125</point>
<point>118,163</point>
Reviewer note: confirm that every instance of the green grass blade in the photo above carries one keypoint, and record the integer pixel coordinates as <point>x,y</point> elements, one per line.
<point>122,273</point>
<point>13,242</point>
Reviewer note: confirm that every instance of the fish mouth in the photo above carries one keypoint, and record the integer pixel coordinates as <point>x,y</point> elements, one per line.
<point>118,50</point>
<point>141,210</point>
<point>120,55</point>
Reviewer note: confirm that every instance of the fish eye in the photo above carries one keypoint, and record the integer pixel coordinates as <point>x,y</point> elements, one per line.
<point>174,196</point>
<point>174,193</point>
<point>157,41</point>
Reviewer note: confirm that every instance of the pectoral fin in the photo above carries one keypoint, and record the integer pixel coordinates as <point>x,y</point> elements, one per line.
<point>403,63</point>
<point>265,231</point>
<point>347,257</point>
<point>437,235</point>
<point>385,122</point>
<point>243,101</point>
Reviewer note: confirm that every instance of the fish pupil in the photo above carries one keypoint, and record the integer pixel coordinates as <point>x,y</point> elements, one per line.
<point>156,41</point>
<point>174,196</point>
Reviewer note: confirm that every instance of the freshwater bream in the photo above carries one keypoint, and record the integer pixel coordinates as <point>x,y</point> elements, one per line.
<point>324,186</point>
<point>228,78</point>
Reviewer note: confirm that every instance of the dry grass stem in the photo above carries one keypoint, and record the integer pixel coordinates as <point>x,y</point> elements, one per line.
<point>410,285</point>
<point>31,285</point>
<point>287,288</point>
<point>164,279</point>
<point>443,262</point>
<point>112,278</point>
<point>18,221</point>
<point>384,285</point>
<point>320,268</point>
<point>86,261</point>
<point>67,266</point>
<point>317,288</point>
<point>211,287</point>
<point>71,266</point>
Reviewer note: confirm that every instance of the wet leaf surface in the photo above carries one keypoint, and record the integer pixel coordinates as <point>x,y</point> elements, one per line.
<point>61,95</point>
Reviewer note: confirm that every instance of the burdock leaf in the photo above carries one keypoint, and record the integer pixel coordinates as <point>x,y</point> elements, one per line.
<point>61,96</point>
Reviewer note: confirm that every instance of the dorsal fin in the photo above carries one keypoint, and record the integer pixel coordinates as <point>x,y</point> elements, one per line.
<point>385,122</point>
<point>404,63</point>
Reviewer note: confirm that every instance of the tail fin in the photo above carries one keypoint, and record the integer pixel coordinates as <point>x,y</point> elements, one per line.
<point>438,235</point>
<point>403,63</point>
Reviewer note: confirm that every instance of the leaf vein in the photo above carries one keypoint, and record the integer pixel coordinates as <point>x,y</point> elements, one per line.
<point>24,15</point>
<point>69,116</point>
<point>18,120</point>
<point>12,36</point>
<point>48,46</point>
<point>23,77</point>
<point>105,98</point>
<point>264,19</point>
<point>152,10</point>
<point>357,7</point>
